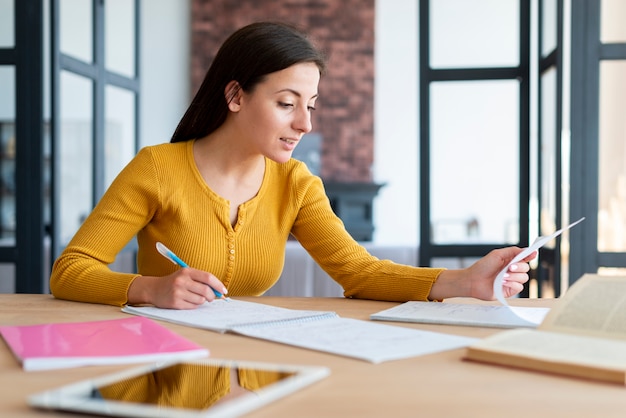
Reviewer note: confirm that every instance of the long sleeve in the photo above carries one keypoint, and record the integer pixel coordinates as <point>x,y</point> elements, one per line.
<point>360,274</point>
<point>81,272</point>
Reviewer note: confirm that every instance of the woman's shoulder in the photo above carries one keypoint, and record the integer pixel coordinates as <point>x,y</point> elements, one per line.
<point>293,172</point>
<point>292,168</point>
<point>294,175</point>
<point>165,148</point>
<point>159,160</point>
<point>165,152</point>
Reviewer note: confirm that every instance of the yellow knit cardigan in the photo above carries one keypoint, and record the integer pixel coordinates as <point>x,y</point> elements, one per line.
<point>161,196</point>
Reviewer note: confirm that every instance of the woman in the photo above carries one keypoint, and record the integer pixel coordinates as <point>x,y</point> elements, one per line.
<point>225,195</point>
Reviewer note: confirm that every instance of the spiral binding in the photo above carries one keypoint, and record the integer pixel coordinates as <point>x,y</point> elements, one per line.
<point>278,322</point>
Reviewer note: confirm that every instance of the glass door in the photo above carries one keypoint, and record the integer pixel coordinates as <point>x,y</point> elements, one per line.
<point>22,148</point>
<point>474,128</point>
<point>553,257</point>
<point>598,140</point>
<point>95,90</point>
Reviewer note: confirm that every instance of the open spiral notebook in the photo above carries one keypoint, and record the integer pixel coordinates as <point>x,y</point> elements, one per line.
<point>316,330</point>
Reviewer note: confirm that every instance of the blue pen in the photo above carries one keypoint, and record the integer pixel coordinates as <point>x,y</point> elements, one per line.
<point>167,253</point>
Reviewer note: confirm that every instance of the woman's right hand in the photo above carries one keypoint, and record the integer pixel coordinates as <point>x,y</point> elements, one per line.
<point>186,288</point>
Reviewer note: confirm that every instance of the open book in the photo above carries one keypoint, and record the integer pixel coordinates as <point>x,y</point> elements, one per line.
<point>115,341</point>
<point>584,335</point>
<point>315,330</point>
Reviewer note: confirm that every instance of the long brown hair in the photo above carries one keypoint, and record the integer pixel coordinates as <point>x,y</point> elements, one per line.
<point>246,57</point>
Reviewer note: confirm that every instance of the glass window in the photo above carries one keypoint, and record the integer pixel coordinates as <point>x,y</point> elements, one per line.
<point>475,147</point>
<point>453,262</point>
<point>7,28</point>
<point>7,155</point>
<point>7,181</point>
<point>119,17</point>
<point>548,155</point>
<point>612,17</point>
<point>7,278</point>
<point>119,133</point>
<point>47,174</point>
<point>76,29</point>
<point>7,93</point>
<point>458,41</point>
<point>75,153</point>
<point>548,27</point>
<point>612,158</point>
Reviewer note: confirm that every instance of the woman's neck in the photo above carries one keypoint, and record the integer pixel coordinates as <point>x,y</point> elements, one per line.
<point>234,175</point>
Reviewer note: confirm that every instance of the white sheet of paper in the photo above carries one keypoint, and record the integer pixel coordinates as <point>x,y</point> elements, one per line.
<point>538,243</point>
<point>366,340</point>
<point>468,314</point>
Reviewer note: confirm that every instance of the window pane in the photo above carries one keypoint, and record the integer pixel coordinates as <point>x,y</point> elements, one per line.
<point>548,27</point>
<point>475,150</point>
<point>7,28</point>
<point>47,176</point>
<point>7,181</point>
<point>119,17</point>
<point>7,154</point>
<point>474,33</point>
<point>453,262</point>
<point>76,29</point>
<point>7,278</point>
<point>612,158</point>
<point>75,153</point>
<point>613,14</point>
<point>119,131</point>
<point>547,154</point>
<point>7,93</point>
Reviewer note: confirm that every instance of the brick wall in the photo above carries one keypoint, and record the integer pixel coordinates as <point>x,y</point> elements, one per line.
<point>342,28</point>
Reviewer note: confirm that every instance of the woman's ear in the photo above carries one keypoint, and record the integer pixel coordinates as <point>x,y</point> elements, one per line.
<point>232,92</point>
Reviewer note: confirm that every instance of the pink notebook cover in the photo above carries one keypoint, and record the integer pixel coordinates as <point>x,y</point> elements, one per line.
<point>116,341</point>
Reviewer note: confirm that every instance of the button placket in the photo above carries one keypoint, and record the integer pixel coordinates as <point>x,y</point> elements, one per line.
<point>231,255</point>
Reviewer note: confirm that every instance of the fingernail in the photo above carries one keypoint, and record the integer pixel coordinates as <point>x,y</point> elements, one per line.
<point>506,275</point>
<point>513,267</point>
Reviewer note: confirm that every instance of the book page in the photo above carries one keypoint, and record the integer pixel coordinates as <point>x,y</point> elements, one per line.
<point>594,306</point>
<point>556,347</point>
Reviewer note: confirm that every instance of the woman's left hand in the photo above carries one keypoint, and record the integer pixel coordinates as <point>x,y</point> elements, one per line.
<point>483,273</point>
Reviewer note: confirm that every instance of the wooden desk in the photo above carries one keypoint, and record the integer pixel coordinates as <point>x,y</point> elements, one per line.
<point>441,385</point>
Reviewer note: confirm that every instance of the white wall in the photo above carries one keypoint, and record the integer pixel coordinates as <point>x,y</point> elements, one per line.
<point>165,80</point>
<point>396,122</point>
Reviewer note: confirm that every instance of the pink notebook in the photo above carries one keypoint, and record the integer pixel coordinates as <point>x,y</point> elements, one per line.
<point>116,341</point>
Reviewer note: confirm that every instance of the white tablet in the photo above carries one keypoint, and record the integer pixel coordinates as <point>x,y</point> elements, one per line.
<point>192,388</point>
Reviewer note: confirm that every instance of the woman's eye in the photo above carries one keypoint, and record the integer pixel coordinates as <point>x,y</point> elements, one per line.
<point>283,104</point>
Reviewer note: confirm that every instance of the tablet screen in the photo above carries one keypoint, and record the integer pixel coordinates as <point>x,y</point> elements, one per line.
<point>186,385</point>
<point>190,388</point>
